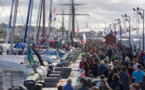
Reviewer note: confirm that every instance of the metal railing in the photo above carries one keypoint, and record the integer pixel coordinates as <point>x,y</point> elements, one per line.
<point>10,78</point>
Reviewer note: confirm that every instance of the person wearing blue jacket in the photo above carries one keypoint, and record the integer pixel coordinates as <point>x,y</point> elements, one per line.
<point>68,86</point>
<point>138,74</point>
<point>102,68</point>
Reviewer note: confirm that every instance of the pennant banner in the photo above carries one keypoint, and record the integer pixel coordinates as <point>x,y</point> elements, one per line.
<point>131,28</point>
<point>30,56</point>
<point>77,30</point>
<point>54,15</point>
<point>50,18</point>
<point>54,11</point>
<point>84,38</point>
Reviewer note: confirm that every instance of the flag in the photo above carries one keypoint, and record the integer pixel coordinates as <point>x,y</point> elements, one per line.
<point>54,10</point>
<point>131,28</point>
<point>87,25</point>
<point>47,43</point>
<point>77,30</point>
<point>84,38</point>
<point>58,53</point>
<point>111,31</point>
<point>50,18</point>
<point>115,33</point>
<point>30,56</point>
<point>120,30</point>
<point>54,14</point>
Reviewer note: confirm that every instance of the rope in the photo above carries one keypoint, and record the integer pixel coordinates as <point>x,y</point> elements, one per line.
<point>4,9</point>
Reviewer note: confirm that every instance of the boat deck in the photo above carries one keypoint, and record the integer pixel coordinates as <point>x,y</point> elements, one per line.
<point>73,75</point>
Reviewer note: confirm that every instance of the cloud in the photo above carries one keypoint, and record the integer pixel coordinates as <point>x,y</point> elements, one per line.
<point>100,11</point>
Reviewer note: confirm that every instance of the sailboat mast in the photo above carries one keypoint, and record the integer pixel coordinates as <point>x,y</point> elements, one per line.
<point>50,17</point>
<point>29,28</point>
<point>27,21</point>
<point>44,29</point>
<point>10,21</point>
<point>39,23</point>
<point>38,17</point>
<point>14,23</point>
<point>63,26</point>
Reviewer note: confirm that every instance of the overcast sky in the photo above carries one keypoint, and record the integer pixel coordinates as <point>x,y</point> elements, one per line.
<point>100,11</point>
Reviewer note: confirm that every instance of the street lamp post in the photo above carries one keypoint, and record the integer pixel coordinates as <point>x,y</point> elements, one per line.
<point>119,22</point>
<point>125,16</point>
<point>142,16</point>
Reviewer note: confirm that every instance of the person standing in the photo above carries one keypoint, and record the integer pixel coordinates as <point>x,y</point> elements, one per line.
<point>135,63</point>
<point>86,67</point>
<point>95,68</point>
<point>111,75</point>
<point>108,71</point>
<point>84,86</point>
<point>116,83</point>
<point>68,86</point>
<point>102,77</point>
<point>130,55</point>
<point>124,78</point>
<point>142,83</point>
<point>126,63</point>
<point>134,87</point>
<point>102,68</point>
<point>89,80</point>
<point>133,80</point>
<point>141,55</point>
<point>60,87</point>
<point>81,67</point>
<point>138,74</point>
<point>143,58</point>
<point>80,84</point>
<point>103,85</point>
<point>110,54</point>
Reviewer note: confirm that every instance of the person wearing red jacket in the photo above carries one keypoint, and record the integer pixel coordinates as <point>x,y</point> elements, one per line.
<point>141,56</point>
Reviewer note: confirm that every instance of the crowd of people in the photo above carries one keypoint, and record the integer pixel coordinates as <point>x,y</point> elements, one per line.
<point>114,64</point>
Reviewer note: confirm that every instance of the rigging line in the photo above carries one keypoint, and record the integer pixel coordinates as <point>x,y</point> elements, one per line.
<point>21,15</point>
<point>47,13</point>
<point>39,24</point>
<point>58,8</point>
<point>4,9</point>
<point>25,10</point>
